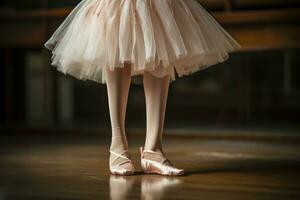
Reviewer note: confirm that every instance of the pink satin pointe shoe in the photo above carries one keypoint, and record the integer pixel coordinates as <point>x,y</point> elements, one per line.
<point>123,168</point>
<point>154,167</point>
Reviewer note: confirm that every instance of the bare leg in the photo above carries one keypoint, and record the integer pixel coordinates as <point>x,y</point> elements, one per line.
<point>118,84</point>
<point>156,93</point>
<point>153,159</point>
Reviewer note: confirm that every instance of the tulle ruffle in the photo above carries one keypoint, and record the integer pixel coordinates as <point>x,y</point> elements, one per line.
<point>163,37</point>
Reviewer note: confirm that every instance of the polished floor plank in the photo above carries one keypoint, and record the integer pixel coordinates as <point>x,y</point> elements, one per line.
<point>58,167</point>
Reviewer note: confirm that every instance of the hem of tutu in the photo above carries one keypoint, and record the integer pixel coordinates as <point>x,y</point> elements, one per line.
<point>137,74</point>
<point>191,69</point>
<point>136,77</point>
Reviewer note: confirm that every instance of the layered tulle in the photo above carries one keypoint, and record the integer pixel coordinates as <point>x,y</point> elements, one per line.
<point>163,37</point>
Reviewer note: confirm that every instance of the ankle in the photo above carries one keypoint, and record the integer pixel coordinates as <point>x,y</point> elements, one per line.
<point>118,143</point>
<point>157,149</point>
<point>156,154</point>
<point>117,157</point>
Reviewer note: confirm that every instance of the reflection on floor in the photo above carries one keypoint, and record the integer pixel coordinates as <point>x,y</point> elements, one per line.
<point>63,167</point>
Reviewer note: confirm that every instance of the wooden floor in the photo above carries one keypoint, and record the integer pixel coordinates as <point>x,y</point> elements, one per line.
<point>76,167</point>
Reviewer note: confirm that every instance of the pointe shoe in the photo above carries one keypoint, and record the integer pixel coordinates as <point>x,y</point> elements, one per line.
<point>150,166</point>
<point>123,168</point>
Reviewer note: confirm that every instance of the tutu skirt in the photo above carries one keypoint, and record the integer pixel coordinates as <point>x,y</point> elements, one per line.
<point>164,37</point>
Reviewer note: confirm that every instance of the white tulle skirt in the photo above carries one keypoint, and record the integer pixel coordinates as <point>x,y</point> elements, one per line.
<point>163,37</point>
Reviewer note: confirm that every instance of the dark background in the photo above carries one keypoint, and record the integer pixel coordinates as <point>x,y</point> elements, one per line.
<point>257,88</point>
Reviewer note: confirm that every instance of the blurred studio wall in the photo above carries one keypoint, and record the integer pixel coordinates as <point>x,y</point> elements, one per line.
<point>258,86</point>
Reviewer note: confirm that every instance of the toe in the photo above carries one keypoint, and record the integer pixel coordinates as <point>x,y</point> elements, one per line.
<point>128,166</point>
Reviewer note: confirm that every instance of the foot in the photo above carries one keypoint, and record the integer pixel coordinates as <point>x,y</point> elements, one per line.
<point>157,163</point>
<point>120,163</point>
